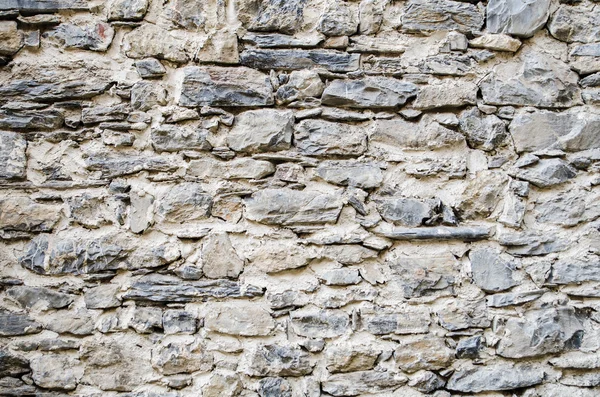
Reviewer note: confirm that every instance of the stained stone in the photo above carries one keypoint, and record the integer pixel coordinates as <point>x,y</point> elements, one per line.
<point>319,323</point>
<point>371,16</point>
<point>354,383</point>
<point>39,297</point>
<point>55,372</point>
<point>572,24</point>
<point>146,319</point>
<point>95,37</point>
<point>370,92</point>
<point>482,132</point>
<point>220,86</point>
<point>261,130</point>
<point>351,173</point>
<point>283,16</point>
<point>276,40</point>
<point>292,207</point>
<point>11,39</point>
<point>321,138</point>
<point>150,68</point>
<point>13,159</point>
<point>111,166</point>
<point>494,378</point>
<point>12,365</point>
<point>350,357</point>
<point>340,18</point>
<point>333,61</point>
<point>381,321</point>
<point>547,173</point>
<point>520,18</point>
<point>277,360</point>
<point>496,42</point>
<point>492,272</point>
<point>274,387</point>
<point>15,324</point>
<point>146,95</point>
<point>427,15</point>
<point>99,114</point>
<point>240,318</point>
<point>128,10</point>
<point>149,40</point>
<point>422,352</point>
<point>182,358</point>
<point>173,138</point>
<point>184,202</point>
<point>79,323</point>
<point>447,94</point>
<point>179,322</point>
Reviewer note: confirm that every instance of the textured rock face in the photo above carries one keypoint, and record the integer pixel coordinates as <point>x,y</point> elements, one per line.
<point>299,198</point>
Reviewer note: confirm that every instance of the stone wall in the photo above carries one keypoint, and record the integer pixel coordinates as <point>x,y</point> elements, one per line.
<point>299,198</point>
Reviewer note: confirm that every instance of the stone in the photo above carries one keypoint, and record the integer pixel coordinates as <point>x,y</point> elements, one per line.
<point>340,18</point>
<point>572,24</point>
<point>276,360</point>
<point>492,272</point>
<point>496,42</point>
<point>292,207</point>
<point>13,387</point>
<point>189,14</point>
<point>12,365</point>
<point>425,15</point>
<point>150,68</point>
<point>495,378</point>
<point>149,40</point>
<point>111,166</point>
<point>355,383</point>
<point>99,114</point>
<point>44,6</point>
<point>219,258</point>
<point>221,86</point>
<point>102,297</point>
<point>547,173</point>
<point>278,16</point>
<point>535,80</point>
<point>351,173</point>
<point>146,319</point>
<point>55,372</point>
<point>350,358</point>
<point>179,322</point>
<point>464,233</point>
<point>574,270</point>
<point>447,65</point>
<point>422,352</point>
<point>322,138</point>
<point>407,211</point>
<point>95,37</point>
<point>78,323</point>
<point>519,18</point>
<point>576,360</point>
<point>276,40</point>
<point>545,130</point>
<point>222,383</point>
<point>220,47</point>
<point>513,298</point>
<point>447,94</point>
<point>158,288</point>
<point>301,85</point>
<point>183,357</point>
<point>531,243</point>
<point>314,323</point>
<point>580,379</point>
<point>22,214</point>
<point>568,209</point>
<point>128,10</point>
<point>146,95</point>
<point>13,158</point>
<point>482,132</point>
<point>370,92</point>
<point>243,168</point>
<point>382,321</point>
<point>240,318</point>
<point>263,130</point>
<point>38,297</point>
<point>15,324</point>
<point>584,58</point>
<point>275,255</point>
<point>371,16</point>
<point>173,138</point>
<point>342,276</point>
<point>31,120</point>
<point>469,347</point>
<point>267,59</point>
<point>11,39</point>
<point>274,387</point>
<point>184,202</point>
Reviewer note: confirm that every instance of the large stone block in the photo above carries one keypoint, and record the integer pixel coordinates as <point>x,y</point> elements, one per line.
<point>371,92</point>
<point>334,61</point>
<point>428,15</point>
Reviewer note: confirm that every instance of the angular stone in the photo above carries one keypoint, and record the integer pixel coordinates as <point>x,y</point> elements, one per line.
<point>102,297</point>
<point>482,132</point>
<point>340,18</point>
<point>351,173</point>
<point>25,215</point>
<point>223,383</point>
<point>496,42</point>
<point>220,86</point>
<point>128,10</point>
<point>189,14</point>
<point>354,383</point>
<point>520,18</point>
<point>277,360</point>
<point>11,39</point>
<point>573,24</point>
<point>15,324</point>
<point>219,258</point>
<point>314,323</point>
<point>173,138</point>
<point>491,271</point>
<point>333,61</point>
<point>179,322</point>
<point>79,323</point>
<point>574,270</point>
<point>423,352</point>
<point>99,114</point>
<point>494,378</point>
<point>31,120</point>
<point>576,360</point>
<point>292,207</point>
<point>13,159</point>
<point>184,202</point>
<point>547,173</point>
<point>456,315</point>
<point>94,36</point>
<point>182,358</point>
<point>112,166</point>
<point>149,40</point>
<point>348,254</point>
<point>146,319</point>
<point>464,233</point>
<point>263,130</point>
<point>275,40</point>
<point>239,318</point>
<point>275,255</point>
<point>322,138</point>
<point>585,59</point>
<point>149,68</point>
<point>283,16</point>
<point>569,208</point>
<point>242,168</point>
<point>370,92</point>
<point>39,297</point>
<point>531,243</point>
<point>534,80</point>
<point>301,85</point>
<point>382,321</point>
<point>12,365</point>
<point>545,130</point>
<point>469,347</point>
<point>447,94</point>
<point>342,276</point>
<point>158,288</point>
<point>407,211</point>
<point>56,372</point>
<point>146,95</point>
<point>427,15</point>
<point>42,6</point>
<point>274,387</point>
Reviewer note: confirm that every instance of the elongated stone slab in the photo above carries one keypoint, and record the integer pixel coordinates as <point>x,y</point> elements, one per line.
<point>43,5</point>
<point>334,61</point>
<point>464,233</point>
<point>494,378</point>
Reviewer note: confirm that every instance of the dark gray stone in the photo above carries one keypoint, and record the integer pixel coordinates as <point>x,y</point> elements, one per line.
<point>12,365</point>
<point>482,132</point>
<point>13,387</point>
<point>274,387</point>
<point>370,92</point>
<point>430,15</point>
<point>31,120</point>
<point>150,68</point>
<point>13,158</point>
<point>513,298</point>
<point>277,360</point>
<point>492,272</point>
<point>319,323</point>
<point>547,173</point>
<point>464,233</point>
<point>28,297</point>
<point>408,211</point>
<point>111,166</point>
<point>354,383</point>
<point>172,138</point>
<point>469,347</point>
<point>179,322</point>
<point>283,16</point>
<point>95,37</point>
<point>494,378</point>
<point>520,18</point>
<point>40,6</point>
<point>15,324</point>
<point>334,61</point>
<point>99,114</point>
<point>324,138</point>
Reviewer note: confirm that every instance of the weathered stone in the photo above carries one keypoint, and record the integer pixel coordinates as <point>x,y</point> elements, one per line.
<point>15,324</point>
<point>31,120</point>
<point>301,85</point>
<point>146,95</point>
<point>13,387</point>
<point>456,315</point>
<point>25,215</point>
<point>447,94</point>
<point>223,383</point>
<point>219,259</point>
<point>11,39</point>
<point>274,387</point>
<point>173,138</point>
<point>158,288</point>
<point>423,352</point>
<point>547,173</point>
<point>482,132</point>
<point>531,243</point>
<point>95,36</point>
<point>576,360</point>
<point>275,40</point>
<point>469,347</point>
<point>275,255</point>
<point>40,6</point>
<point>240,318</point>
<point>370,92</point>
<point>220,47</point>
<point>496,42</point>
<point>184,202</point>
<point>342,276</point>
<point>102,297</point>
<point>12,365</point>
<point>492,272</point>
<point>569,208</point>
<point>149,40</point>
<point>179,322</point>
<point>150,68</point>
<point>350,357</point>
<point>13,160</point>
<point>380,321</point>
<point>128,10</point>
<point>292,207</point>
<point>319,138</point>
<point>572,270</point>
<point>55,372</point>
<point>277,360</point>
<point>371,16</point>
<point>354,383</point>
<point>407,211</point>
<point>189,14</point>
<point>39,297</point>
<point>99,114</point>
<point>494,378</point>
<point>220,86</point>
<point>182,357</point>
<point>584,59</point>
<point>283,16</point>
<point>79,323</point>
<point>573,24</point>
<point>261,130</point>
<point>334,61</point>
<point>463,233</point>
<point>340,18</point>
<point>520,18</point>
<point>430,15</point>
<point>513,298</point>
<point>319,323</point>
<point>146,319</point>
<point>351,173</point>
<point>545,130</point>
<point>243,168</point>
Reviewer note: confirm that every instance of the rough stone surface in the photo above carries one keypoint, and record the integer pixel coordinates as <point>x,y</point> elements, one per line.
<point>478,379</point>
<point>264,130</point>
<point>519,18</point>
<point>421,15</point>
<point>374,92</point>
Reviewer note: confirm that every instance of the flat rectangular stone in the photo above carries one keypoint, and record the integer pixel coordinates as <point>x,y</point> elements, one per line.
<point>334,61</point>
<point>43,5</point>
<point>277,40</point>
<point>463,233</point>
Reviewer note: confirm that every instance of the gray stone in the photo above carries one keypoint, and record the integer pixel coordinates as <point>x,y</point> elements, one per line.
<point>274,387</point>
<point>283,16</point>
<point>322,138</point>
<point>573,270</point>
<point>492,272</point>
<point>584,59</point>
<point>158,288</point>
<point>242,168</point>
<point>342,276</point>
<point>576,360</point>
<point>382,321</point>
<point>41,6</point>
<point>25,215</point>
<point>348,254</point>
<point>292,207</point>
<point>79,323</point>
<point>350,357</point>
<point>464,233</point>
<point>13,387</point>
<point>422,352</point>
<point>12,365</point>
<point>15,324</point>
<point>94,37</point>
<point>340,18</point>
<point>149,40</point>
<point>276,40</point>
<point>333,61</point>
<point>39,297</point>
<point>182,358</point>
<point>220,86</point>
<point>146,319</point>
<point>482,132</point>
<point>11,39</point>
<point>446,94</point>
<point>469,347</point>
<point>496,42</point>
<point>223,383</point>
<point>150,68</point>
<point>173,138</point>
<point>534,80</point>
<point>277,360</point>
<point>239,318</point>
<point>219,258</point>
<point>301,85</point>
<point>446,65</point>
<point>545,130</point>
<point>146,95</point>
<point>520,18</point>
<point>459,314</point>
<point>427,15</point>
<point>184,202</point>
<point>31,120</point>
<point>408,211</point>
<point>532,243</point>
<point>261,131</point>
<point>99,114</point>
<point>354,383</point>
<point>314,323</point>
<point>568,208</point>
<point>513,298</point>
<point>359,174</point>
<point>547,173</point>
<point>179,322</point>
<point>573,24</point>
<point>128,10</point>
<point>189,14</point>
<point>495,378</point>
<point>102,297</point>
<point>13,159</point>
<point>112,166</point>
<point>589,379</point>
<point>55,372</point>
<point>370,92</point>
<point>371,16</point>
